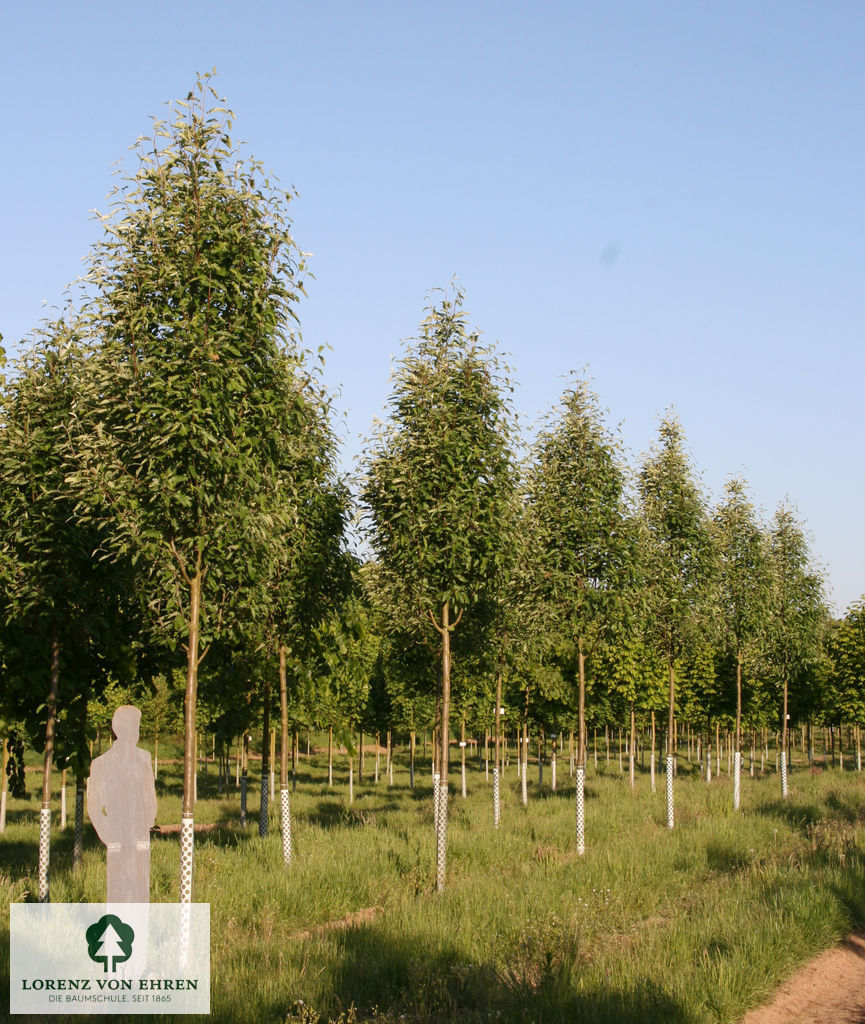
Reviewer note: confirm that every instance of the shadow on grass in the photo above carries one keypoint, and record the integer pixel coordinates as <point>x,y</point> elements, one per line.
<point>370,971</point>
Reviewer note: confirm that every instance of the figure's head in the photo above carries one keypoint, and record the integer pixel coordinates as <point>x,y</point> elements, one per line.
<point>125,723</point>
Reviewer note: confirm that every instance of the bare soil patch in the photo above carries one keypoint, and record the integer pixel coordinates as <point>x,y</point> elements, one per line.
<point>830,989</point>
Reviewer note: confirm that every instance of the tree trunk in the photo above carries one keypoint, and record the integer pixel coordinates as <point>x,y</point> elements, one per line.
<point>463,755</point>
<point>78,833</point>
<point>652,759</point>
<point>411,740</point>
<point>497,760</point>
<point>4,785</point>
<point>265,760</point>
<point>784,745</point>
<point>187,831</point>
<point>581,712</point>
<point>671,746</point>
<point>330,755</point>
<point>244,776</point>
<point>284,804</point>
<point>45,812</point>
<point>444,753</point>
<point>631,751</point>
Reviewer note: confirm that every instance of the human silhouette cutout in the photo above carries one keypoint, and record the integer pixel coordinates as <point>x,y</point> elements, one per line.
<point>121,803</point>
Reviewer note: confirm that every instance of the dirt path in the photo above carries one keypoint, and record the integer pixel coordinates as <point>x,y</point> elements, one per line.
<point>830,989</point>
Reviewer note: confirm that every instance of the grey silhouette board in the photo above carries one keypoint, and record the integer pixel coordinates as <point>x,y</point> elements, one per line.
<point>121,804</point>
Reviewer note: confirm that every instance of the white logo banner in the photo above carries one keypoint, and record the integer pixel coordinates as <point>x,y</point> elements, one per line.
<point>109,958</point>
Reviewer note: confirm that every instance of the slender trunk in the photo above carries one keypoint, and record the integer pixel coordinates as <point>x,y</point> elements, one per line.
<point>78,834</point>
<point>187,839</point>
<point>463,755</point>
<point>4,785</point>
<point>652,759</point>
<point>272,764</point>
<point>671,746</point>
<point>244,776</point>
<point>411,740</point>
<point>330,755</point>
<point>284,804</point>
<point>631,751</point>
<point>581,713</point>
<point>444,754</point>
<point>784,745</point>
<point>45,813</point>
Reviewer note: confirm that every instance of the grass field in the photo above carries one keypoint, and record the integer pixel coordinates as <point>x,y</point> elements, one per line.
<point>695,925</point>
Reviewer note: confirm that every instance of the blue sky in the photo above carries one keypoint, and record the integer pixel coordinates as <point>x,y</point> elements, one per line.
<point>668,194</point>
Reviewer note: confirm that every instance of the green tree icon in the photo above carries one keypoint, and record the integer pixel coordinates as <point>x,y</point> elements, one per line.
<point>109,941</point>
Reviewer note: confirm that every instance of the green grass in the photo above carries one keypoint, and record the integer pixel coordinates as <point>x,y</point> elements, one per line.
<point>695,925</point>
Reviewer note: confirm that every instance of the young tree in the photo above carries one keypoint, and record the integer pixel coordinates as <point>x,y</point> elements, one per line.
<point>58,605</point>
<point>678,563</point>
<point>743,591</point>
<point>192,293</point>
<point>439,480</point>
<point>582,550</point>
<point>798,613</point>
<point>847,679</point>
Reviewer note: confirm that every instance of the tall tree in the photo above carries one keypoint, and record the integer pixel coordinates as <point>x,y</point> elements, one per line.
<point>798,613</point>
<point>743,592</point>
<point>192,294</point>
<point>678,563</point>
<point>582,550</point>
<point>439,480</point>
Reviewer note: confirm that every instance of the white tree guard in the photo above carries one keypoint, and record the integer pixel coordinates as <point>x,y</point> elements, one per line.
<point>272,786</point>
<point>581,811</point>
<point>62,807</point>
<point>540,772</point>
<point>709,766</point>
<point>441,836</point>
<point>524,783</point>
<point>784,774</point>
<point>351,785</point>
<point>390,772</point>
<point>553,771</point>
<point>187,844</point>
<point>285,824</point>
<point>330,774</point>
<point>263,809</point>
<point>44,852</point>
<point>78,841</point>
<point>436,780</point>
<point>737,779</point>
<point>3,811</point>
<point>156,767</point>
<point>411,775</point>
<point>497,808</point>
<point>652,771</point>
<point>670,815</point>
<point>243,784</point>
<point>858,760</point>
<point>463,774</point>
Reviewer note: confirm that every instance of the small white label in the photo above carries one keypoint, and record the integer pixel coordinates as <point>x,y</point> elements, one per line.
<point>462,743</point>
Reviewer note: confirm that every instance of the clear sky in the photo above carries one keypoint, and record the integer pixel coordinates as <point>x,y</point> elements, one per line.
<point>671,194</point>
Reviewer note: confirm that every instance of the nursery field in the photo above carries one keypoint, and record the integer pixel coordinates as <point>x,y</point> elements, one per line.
<point>694,925</point>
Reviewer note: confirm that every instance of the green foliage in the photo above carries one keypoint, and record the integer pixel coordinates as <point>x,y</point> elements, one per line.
<point>845,695</point>
<point>439,474</point>
<point>798,610</point>
<point>678,554</point>
<point>582,555</point>
<point>191,306</point>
